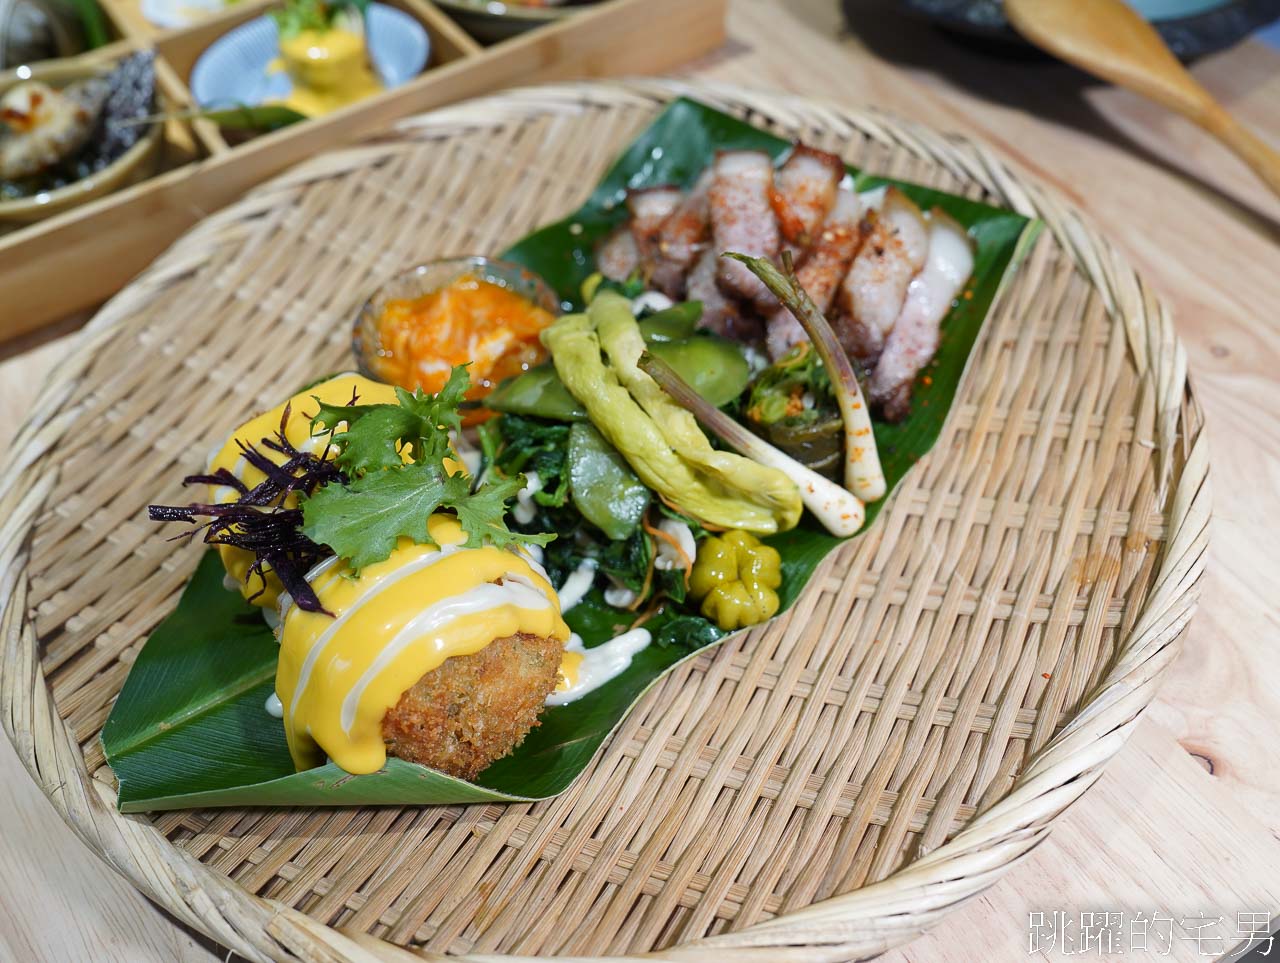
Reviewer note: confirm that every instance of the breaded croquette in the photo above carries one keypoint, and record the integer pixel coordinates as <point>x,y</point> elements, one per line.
<point>474,709</point>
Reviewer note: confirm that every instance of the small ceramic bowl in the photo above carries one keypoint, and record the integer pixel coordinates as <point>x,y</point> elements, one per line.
<point>433,276</point>
<point>233,71</point>
<point>492,21</point>
<point>176,14</point>
<point>138,162</point>
<point>1191,28</point>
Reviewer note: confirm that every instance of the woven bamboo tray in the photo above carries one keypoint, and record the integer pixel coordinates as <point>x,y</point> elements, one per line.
<point>819,789</point>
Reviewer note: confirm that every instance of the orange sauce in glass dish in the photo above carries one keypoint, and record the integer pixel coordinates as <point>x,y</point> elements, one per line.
<point>470,320</point>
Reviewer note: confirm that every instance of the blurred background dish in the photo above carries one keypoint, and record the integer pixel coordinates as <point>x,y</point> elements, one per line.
<point>491,21</point>
<point>1191,28</point>
<point>33,30</point>
<point>174,14</point>
<point>71,133</point>
<point>245,66</point>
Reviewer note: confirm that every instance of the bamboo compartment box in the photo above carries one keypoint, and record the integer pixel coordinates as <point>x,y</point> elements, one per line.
<point>75,260</point>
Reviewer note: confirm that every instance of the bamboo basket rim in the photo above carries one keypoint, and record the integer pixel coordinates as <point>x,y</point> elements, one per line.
<point>858,923</point>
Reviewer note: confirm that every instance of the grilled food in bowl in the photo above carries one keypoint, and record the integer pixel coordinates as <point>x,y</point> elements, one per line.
<point>72,131</point>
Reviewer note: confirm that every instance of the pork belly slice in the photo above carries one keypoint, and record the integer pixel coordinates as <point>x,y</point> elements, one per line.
<point>872,294</point>
<point>618,256</point>
<point>650,207</point>
<point>742,219</point>
<point>913,341</point>
<point>804,191</point>
<point>720,313</point>
<point>682,238</point>
<point>820,275</point>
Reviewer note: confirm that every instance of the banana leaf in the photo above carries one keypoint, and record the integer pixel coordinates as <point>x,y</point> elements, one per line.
<point>93,21</point>
<point>259,117</point>
<point>189,727</point>
<point>252,117</point>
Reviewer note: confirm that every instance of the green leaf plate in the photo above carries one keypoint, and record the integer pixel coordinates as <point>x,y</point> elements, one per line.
<point>190,729</point>
<point>256,117</point>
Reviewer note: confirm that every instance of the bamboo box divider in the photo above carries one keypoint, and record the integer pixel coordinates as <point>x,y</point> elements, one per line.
<point>75,260</point>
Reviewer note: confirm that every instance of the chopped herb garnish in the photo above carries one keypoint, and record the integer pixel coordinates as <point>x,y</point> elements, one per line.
<point>317,15</point>
<point>384,471</point>
<point>394,458</point>
<point>376,434</point>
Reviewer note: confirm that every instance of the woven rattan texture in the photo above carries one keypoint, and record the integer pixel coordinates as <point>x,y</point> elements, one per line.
<point>945,687</point>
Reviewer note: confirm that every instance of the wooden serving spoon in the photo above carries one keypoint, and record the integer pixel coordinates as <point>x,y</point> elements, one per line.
<point>1108,39</point>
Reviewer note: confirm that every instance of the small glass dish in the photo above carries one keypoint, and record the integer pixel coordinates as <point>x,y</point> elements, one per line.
<point>432,276</point>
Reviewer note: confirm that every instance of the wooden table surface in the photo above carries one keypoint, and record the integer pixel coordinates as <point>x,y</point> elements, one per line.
<point>1186,822</point>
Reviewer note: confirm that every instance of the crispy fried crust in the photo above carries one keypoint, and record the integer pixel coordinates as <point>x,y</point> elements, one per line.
<point>474,708</point>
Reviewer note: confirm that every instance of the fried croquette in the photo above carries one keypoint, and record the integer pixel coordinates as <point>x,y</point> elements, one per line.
<point>474,709</point>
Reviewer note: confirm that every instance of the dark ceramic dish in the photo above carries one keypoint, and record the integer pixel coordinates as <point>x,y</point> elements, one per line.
<point>1191,28</point>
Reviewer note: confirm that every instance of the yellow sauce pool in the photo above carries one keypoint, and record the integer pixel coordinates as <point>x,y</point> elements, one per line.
<point>396,621</point>
<point>329,69</point>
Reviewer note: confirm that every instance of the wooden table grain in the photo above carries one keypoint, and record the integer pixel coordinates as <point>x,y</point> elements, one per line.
<point>1186,821</point>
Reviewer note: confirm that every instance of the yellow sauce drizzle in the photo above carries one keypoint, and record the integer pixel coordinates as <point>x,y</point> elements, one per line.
<point>329,69</point>
<point>302,408</point>
<point>338,676</point>
<point>570,664</point>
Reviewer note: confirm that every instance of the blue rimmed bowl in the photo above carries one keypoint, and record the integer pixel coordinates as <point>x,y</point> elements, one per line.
<point>234,71</point>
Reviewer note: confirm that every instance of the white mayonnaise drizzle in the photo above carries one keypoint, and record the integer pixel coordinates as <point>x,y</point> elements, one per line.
<point>387,580</point>
<point>525,508</point>
<point>619,596</point>
<point>513,590</point>
<point>274,707</point>
<point>532,554</point>
<point>577,585</point>
<point>601,664</point>
<point>668,558</point>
